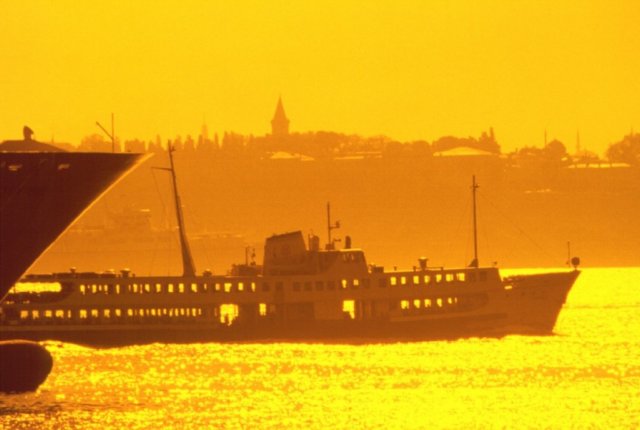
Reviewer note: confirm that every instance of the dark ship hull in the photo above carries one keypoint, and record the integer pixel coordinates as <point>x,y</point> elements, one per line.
<point>41,194</point>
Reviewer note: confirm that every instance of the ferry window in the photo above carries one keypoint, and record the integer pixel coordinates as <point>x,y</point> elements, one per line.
<point>417,303</point>
<point>48,314</point>
<point>129,312</point>
<point>106,313</point>
<point>262,309</point>
<point>158,288</point>
<point>194,287</point>
<point>449,277</point>
<point>331,285</point>
<point>366,282</point>
<point>240,286</point>
<point>382,282</point>
<point>308,286</point>
<point>427,303</point>
<point>319,285</point>
<point>82,289</point>
<point>94,288</point>
<point>117,288</point>
<point>118,313</point>
<point>416,279</point>
<point>59,313</point>
<point>94,313</point>
<point>349,308</point>
<point>438,277</point>
<point>356,283</point>
<point>394,280</point>
<point>343,283</point>
<point>266,286</point>
<point>170,288</point>
<point>134,288</point>
<point>296,286</point>
<point>181,287</point>
<point>450,300</point>
<point>404,304</point>
<point>228,313</point>
<point>279,286</point>
<point>253,286</point>
<point>24,315</point>
<point>403,280</point>
<point>227,287</point>
<point>426,279</point>
<point>483,276</point>
<point>83,314</point>
<point>439,302</point>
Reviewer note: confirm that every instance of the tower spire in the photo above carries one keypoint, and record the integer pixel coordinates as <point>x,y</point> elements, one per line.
<point>280,122</point>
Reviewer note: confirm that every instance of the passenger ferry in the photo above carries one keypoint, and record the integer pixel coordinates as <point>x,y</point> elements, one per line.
<point>301,292</point>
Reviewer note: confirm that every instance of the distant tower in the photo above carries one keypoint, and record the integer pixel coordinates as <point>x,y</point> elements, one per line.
<point>280,122</point>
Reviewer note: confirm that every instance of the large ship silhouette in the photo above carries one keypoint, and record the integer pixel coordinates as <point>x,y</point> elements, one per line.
<point>42,191</point>
<point>301,292</point>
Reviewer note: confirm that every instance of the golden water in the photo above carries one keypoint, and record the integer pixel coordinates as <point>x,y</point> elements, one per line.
<point>585,376</point>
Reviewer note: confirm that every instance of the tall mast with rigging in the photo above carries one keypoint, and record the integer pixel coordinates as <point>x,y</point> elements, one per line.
<point>188,268</point>
<point>474,187</point>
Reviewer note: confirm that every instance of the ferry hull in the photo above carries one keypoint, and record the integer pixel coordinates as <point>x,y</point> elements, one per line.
<point>526,305</point>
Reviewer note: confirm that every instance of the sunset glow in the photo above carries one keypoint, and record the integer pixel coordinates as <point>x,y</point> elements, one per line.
<point>409,70</point>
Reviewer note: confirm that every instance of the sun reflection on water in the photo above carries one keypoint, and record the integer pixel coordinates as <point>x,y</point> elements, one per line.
<point>587,375</point>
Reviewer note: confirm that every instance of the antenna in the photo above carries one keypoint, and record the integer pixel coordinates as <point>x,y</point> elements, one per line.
<point>330,226</point>
<point>188,268</point>
<point>474,187</point>
<point>111,135</point>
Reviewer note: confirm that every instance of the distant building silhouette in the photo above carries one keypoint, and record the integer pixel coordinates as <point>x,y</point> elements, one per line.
<point>280,122</point>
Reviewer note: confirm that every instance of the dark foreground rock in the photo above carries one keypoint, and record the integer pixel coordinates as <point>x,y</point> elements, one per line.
<point>24,366</point>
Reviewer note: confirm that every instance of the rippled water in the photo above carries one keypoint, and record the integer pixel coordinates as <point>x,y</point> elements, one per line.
<point>585,376</point>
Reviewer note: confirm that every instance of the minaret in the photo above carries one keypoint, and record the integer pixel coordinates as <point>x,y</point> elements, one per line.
<point>280,122</point>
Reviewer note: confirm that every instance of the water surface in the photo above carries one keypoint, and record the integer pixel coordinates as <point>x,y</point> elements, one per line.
<point>587,375</point>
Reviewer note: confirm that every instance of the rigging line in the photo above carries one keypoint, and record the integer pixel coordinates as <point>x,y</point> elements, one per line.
<point>156,241</point>
<point>462,220</point>
<point>205,236</point>
<point>514,225</point>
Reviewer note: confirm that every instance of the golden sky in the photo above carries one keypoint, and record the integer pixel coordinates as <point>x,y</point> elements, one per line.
<point>406,69</point>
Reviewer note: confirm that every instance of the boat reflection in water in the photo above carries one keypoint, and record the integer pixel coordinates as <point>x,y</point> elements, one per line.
<point>301,292</point>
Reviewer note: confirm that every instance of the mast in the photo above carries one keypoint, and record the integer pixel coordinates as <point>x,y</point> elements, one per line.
<point>330,226</point>
<point>188,268</point>
<point>474,187</point>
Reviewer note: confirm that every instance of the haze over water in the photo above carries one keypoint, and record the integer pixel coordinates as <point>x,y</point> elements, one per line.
<point>585,376</point>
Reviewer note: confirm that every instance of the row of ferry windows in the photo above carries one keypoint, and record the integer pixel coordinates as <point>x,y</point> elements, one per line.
<point>167,288</point>
<point>438,302</point>
<point>240,286</point>
<point>225,313</point>
<point>437,278</point>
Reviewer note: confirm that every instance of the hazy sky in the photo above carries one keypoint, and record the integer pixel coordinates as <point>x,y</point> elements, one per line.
<point>406,69</point>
